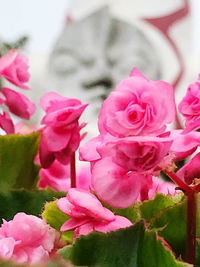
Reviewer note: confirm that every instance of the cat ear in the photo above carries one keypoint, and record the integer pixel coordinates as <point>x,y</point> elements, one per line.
<point>136,73</point>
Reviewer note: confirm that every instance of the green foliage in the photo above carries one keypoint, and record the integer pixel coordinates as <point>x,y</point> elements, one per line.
<point>30,202</point>
<point>150,207</point>
<point>17,168</point>
<point>133,246</point>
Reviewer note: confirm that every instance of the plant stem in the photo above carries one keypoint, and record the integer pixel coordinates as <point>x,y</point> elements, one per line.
<point>179,182</point>
<point>191,199</point>
<point>73,170</point>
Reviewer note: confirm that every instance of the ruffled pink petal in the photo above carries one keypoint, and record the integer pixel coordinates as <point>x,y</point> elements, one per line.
<point>56,140</point>
<point>89,204</point>
<point>114,185</point>
<point>69,209</point>
<point>184,144</point>
<point>18,104</point>
<point>46,157</point>
<point>117,223</point>
<point>88,152</point>
<point>6,123</point>
<point>7,60</point>
<point>190,170</point>
<point>52,101</point>
<point>73,223</point>
<point>84,229</point>
<point>7,245</point>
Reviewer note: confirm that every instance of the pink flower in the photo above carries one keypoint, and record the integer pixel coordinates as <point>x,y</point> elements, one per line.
<point>57,176</point>
<point>138,153</point>
<point>26,239</point>
<point>61,135</point>
<point>189,107</point>
<point>14,68</point>
<point>138,106</point>
<point>115,185</point>
<point>6,123</point>
<point>87,214</point>
<point>190,170</point>
<point>23,128</point>
<point>160,186</point>
<point>184,144</point>
<point>18,104</point>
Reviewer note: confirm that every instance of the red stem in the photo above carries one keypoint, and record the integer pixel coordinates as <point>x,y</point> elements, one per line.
<point>191,227</point>
<point>179,182</point>
<point>73,170</point>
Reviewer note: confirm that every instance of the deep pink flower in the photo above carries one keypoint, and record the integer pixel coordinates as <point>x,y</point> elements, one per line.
<point>26,239</point>
<point>138,106</point>
<point>87,214</point>
<point>18,104</point>
<point>189,107</point>
<point>14,68</point>
<point>184,144</point>
<point>57,176</point>
<point>6,123</point>
<point>61,135</point>
<point>190,170</point>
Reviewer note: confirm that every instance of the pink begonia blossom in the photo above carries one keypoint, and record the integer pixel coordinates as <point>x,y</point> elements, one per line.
<point>184,144</point>
<point>18,103</point>
<point>14,67</point>
<point>115,185</point>
<point>61,135</point>
<point>190,170</point>
<point>87,214</point>
<point>138,153</point>
<point>26,239</point>
<point>159,186</point>
<point>6,123</point>
<point>138,106</point>
<point>57,176</point>
<point>189,107</point>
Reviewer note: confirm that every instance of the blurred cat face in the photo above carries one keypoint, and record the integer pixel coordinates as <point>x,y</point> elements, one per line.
<point>92,55</point>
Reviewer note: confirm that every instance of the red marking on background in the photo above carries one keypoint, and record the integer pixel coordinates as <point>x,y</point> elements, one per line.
<point>164,24</point>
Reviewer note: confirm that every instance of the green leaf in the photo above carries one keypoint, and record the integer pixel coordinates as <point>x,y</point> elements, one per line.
<point>129,247</point>
<point>17,168</point>
<point>150,207</point>
<point>55,217</point>
<point>30,202</point>
<point>172,224</point>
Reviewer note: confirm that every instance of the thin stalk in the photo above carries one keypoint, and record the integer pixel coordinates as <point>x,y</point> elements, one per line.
<point>179,182</point>
<point>191,199</point>
<point>73,170</point>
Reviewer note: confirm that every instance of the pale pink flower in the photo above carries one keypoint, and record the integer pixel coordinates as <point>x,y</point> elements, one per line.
<point>189,107</point>
<point>14,67</point>
<point>87,214</point>
<point>23,128</point>
<point>61,135</point>
<point>138,106</point>
<point>26,239</point>
<point>57,176</point>
<point>162,187</point>
<point>18,103</point>
<point>6,123</point>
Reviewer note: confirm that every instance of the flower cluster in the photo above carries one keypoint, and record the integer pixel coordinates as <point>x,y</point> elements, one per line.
<point>26,239</point>
<point>14,68</point>
<point>126,158</point>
